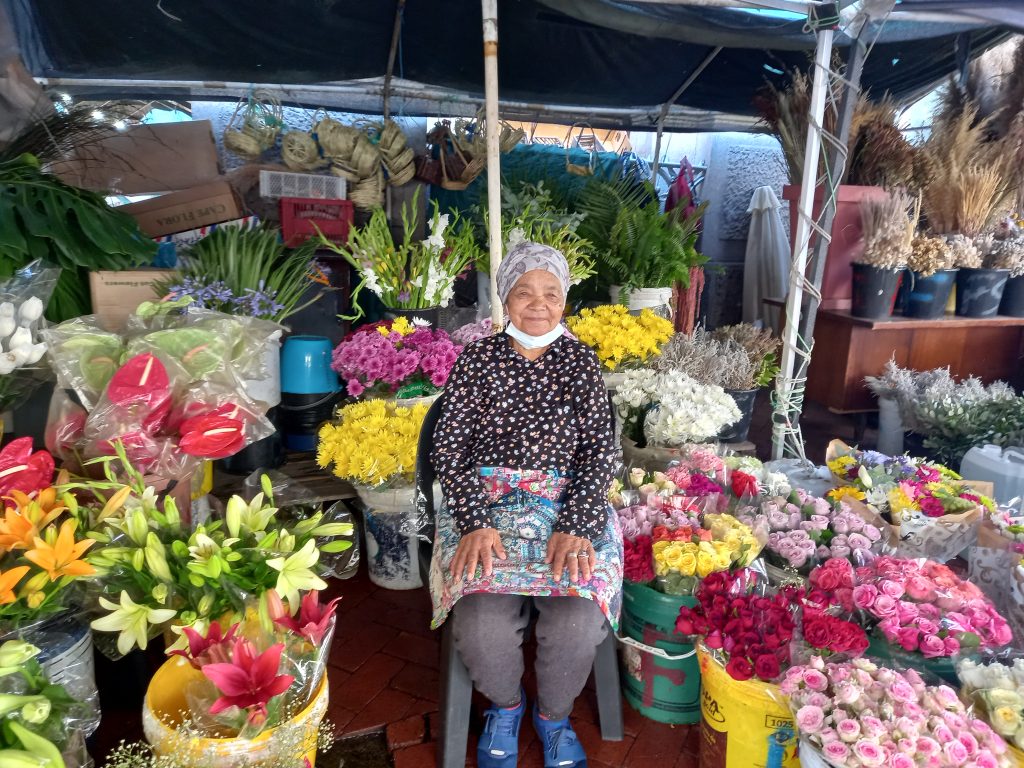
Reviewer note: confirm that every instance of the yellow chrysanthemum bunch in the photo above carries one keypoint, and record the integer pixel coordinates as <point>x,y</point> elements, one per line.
<point>840,465</point>
<point>374,443</point>
<point>620,339</point>
<point>399,325</point>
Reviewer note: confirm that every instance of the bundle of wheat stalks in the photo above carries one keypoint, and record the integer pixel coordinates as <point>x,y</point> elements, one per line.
<point>888,225</point>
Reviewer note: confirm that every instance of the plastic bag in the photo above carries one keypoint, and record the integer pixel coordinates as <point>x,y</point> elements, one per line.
<point>23,298</point>
<point>994,685</point>
<point>84,357</point>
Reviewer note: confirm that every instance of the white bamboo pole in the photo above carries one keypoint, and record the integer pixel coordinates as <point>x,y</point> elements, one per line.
<point>785,386</point>
<point>490,16</point>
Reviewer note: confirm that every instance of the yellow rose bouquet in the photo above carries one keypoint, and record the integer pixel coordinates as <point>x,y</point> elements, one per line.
<point>621,340</point>
<point>373,443</point>
<point>684,556</point>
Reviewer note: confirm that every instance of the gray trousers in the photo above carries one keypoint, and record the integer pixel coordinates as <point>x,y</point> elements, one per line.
<point>488,633</point>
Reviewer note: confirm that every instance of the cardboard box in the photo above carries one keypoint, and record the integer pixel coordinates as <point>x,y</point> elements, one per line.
<point>116,295</point>
<point>163,157</point>
<point>189,209</point>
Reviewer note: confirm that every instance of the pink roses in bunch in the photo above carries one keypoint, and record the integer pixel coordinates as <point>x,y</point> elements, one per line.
<point>396,356</point>
<point>918,605</point>
<point>859,714</point>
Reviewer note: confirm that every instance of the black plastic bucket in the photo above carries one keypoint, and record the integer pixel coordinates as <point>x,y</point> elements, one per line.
<point>267,453</point>
<point>1012,304</point>
<point>927,296</point>
<point>302,415</point>
<point>979,292</point>
<point>874,291</point>
<point>430,314</point>
<point>745,399</point>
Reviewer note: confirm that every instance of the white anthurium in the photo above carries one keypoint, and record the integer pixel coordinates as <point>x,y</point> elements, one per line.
<point>6,309</point>
<point>36,354</point>
<point>22,337</point>
<point>30,310</point>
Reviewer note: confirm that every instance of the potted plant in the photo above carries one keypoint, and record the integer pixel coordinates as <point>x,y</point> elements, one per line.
<point>411,278</point>
<point>933,271</point>
<point>1009,255</point>
<point>372,444</point>
<point>888,226</point>
<point>253,691</point>
<point>622,341</point>
<point>740,359</point>
<point>879,157</point>
<point>979,283</point>
<point>396,358</point>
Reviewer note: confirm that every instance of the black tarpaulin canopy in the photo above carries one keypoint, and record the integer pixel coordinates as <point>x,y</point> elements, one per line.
<point>610,61</point>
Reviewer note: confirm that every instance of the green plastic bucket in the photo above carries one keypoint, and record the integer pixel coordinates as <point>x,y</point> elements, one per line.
<point>666,690</point>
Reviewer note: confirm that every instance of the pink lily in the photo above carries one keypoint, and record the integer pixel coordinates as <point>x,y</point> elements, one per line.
<point>250,681</point>
<point>314,618</point>
<point>214,648</point>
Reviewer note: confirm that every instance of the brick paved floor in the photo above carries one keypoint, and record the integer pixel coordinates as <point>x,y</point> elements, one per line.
<point>384,675</point>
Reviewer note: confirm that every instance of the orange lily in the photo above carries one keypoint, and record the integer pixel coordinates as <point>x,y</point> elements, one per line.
<point>21,525</point>
<point>63,557</point>
<point>7,581</point>
<point>47,499</point>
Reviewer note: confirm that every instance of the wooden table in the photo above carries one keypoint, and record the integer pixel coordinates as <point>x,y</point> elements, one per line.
<point>300,467</point>
<point>847,348</point>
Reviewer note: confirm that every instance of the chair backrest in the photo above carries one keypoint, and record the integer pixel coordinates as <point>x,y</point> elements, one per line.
<point>425,473</point>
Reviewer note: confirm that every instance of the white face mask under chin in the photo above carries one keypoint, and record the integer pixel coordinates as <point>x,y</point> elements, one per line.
<point>533,342</point>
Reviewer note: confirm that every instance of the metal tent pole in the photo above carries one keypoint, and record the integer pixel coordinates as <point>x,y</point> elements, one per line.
<point>663,113</point>
<point>787,389</point>
<point>490,16</point>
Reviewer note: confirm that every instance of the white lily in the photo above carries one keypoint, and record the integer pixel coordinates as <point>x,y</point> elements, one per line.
<point>132,621</point>
<point>295,573</point>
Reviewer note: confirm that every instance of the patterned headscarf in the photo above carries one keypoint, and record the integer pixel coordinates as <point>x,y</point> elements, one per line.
<point>527,256</point>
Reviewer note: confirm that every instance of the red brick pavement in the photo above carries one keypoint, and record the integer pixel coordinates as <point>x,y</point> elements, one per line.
<point>384,675</point>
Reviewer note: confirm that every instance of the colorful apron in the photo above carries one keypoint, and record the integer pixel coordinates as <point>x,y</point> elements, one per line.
<point>524,506</point>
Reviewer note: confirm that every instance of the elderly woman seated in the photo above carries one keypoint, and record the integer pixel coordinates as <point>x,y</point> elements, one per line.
<point>525,451</point>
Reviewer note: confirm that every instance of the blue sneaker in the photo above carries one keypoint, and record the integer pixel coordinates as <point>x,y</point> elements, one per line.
<point>498,746</point>
<point>561,747</point>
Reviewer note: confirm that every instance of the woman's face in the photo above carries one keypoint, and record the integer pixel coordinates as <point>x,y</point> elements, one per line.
<point>535,302</point>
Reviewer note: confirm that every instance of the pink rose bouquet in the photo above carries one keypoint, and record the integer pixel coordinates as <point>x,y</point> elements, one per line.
<point>804,530</point>
<point>917,605</point>
<point>859,715</point>
<point>396,358</point>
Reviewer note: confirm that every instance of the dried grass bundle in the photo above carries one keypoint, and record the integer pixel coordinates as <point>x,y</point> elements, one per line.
<point>888,225</point>
<point>966,180</point>
<point>929,255</point>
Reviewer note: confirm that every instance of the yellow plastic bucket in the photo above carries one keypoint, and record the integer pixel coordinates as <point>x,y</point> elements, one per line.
<point>744,724</point>
<point>166,701</point>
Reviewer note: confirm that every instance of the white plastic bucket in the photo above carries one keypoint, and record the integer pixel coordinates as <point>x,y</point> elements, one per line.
<point>643,298</point>
<point>268,388</point>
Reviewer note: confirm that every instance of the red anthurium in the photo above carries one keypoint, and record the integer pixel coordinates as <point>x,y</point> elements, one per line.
<point>64,433</point>
<point>212,649</point>
<point>213,437</point>
<point>227,410</point>
<point>22,470</point>
<point>143,379</point>
<point>250,681</point>
<point>314,618</point>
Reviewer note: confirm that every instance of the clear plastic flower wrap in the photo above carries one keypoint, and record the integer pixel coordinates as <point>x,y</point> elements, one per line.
<point>994,564</point>
<point>23,297</point>
<point>860,714</point>
<point>994,685</point>
<point>84,356</point>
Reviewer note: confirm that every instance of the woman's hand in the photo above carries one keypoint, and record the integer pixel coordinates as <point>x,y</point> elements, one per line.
<point>572,553</point>
<point>476,547</point>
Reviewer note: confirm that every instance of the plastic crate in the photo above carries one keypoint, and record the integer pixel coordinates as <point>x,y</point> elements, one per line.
<point>278,184</point>
<point>302,217</point>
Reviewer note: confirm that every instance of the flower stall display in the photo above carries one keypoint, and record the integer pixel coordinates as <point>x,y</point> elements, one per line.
<point>858,714</point>
<point>373,444</point>
<point>156,573</point>
<point>747,633</point>
<point>250,693</point>
<point>170,390</point>
<point>935,513</point>
<point>408,275</point>
<point>621,341</point>
<point>749,477</point>
<point>804,531</point>
<point>684,556</point>
<point>993,563</point>
<point>915,607</point>
<point>996,690</point>
<point>41,722</point>
<point>396,358</point>
<point>22,300</point>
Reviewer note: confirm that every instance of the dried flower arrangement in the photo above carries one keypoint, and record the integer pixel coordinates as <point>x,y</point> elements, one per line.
<point>761,346</point>
<point>721,360</point>
<point>966,180</point>
<point>966,254</point>
<point>888,225</point>
<point>1009,254</point>
<point>929,255</point>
